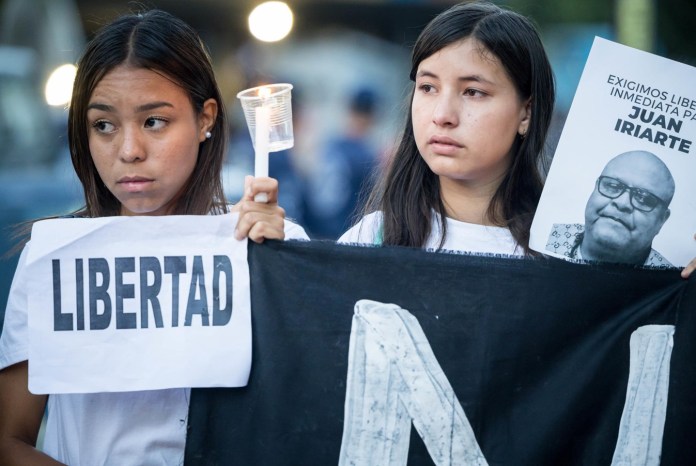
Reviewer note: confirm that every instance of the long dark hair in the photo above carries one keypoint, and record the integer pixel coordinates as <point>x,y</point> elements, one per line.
<point>160,42</point>
<point>410,191</point>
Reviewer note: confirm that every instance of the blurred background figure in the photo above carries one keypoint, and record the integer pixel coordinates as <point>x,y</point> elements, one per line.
<point>342,169</point>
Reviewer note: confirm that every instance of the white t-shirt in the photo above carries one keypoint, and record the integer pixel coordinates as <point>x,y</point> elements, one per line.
<point>461,236</point>
<point>146,427</point>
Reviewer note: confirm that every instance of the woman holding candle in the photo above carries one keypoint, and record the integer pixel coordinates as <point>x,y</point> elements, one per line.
<point>147,134</point>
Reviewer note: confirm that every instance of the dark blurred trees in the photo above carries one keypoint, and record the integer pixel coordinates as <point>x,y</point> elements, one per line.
<point>675,20</point>
<point>554,11</point>
<point>676,24</point>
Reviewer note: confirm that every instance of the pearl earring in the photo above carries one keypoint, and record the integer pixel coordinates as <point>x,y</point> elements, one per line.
<point>208,135</point>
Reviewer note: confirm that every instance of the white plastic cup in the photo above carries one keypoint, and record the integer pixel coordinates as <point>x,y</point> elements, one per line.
<point>278,98</point>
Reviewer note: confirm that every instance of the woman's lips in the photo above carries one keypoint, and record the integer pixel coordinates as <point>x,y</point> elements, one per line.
<point>134,183</point>
<point>444,145</point>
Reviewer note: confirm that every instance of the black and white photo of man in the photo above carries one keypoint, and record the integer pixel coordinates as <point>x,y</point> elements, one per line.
<point>626,210</point>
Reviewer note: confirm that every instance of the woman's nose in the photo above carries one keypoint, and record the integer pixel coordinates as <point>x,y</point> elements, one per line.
<point>132,148</point>
<point>446,111</point>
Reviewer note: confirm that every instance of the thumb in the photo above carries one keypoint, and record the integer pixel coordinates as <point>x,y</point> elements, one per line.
<point>247,187</point>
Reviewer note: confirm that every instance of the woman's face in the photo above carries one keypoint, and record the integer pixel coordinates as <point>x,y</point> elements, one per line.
<point>144,137</point>
<point>466,114</point>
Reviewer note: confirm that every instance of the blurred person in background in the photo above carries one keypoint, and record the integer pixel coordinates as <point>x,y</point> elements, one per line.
<point>343,168</point>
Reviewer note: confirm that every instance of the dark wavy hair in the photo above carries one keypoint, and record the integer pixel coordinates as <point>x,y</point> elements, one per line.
<point>410,191</point>
<point>163,43</point>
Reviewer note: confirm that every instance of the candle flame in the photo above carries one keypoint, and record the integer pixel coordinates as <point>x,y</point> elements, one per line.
<point>264,92</point>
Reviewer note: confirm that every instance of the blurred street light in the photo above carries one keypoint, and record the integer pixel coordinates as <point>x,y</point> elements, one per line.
<point>271,21</point>
<point>59,85</point>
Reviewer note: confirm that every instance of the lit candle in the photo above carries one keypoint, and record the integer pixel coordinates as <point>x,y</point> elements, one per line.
<point>263,129</point>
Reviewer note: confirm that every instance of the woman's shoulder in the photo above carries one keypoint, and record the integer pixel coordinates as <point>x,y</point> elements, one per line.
<point>367,231</point>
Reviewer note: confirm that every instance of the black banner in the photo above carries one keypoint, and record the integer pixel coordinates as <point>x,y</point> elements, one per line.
<point>537,352</point>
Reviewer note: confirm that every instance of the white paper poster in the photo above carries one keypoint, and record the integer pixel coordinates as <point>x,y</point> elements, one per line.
<point>138,303</point>
<point>621,185</point>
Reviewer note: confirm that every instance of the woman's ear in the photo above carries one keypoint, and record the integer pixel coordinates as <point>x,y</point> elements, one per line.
<point>525,118</point>
<point>206,119</point>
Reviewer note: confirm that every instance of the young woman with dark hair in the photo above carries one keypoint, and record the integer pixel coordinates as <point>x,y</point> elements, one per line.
<point>147,133</point>
<point>467,172</point>
<point>144,41</point>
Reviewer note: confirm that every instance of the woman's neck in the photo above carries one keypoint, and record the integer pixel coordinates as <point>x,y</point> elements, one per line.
<point>466,202</point>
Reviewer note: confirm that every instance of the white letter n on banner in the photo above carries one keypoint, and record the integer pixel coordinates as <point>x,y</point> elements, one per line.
<point>393,378</point>
<point>643,418</point>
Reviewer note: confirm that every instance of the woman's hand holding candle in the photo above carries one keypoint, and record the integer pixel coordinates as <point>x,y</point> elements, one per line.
<point>257,220</point>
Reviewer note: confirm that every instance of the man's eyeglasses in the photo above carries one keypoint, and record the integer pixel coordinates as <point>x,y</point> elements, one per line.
<point>643,200</point>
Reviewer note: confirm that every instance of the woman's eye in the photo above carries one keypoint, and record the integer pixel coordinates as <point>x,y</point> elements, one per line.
<point>426,88</point>
<point>155,123</point>
<point>473,93</point>
<point>103,126</point>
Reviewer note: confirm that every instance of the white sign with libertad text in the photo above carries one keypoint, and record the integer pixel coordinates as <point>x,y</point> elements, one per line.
<point>138,303</point>
<point>620,187</point>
